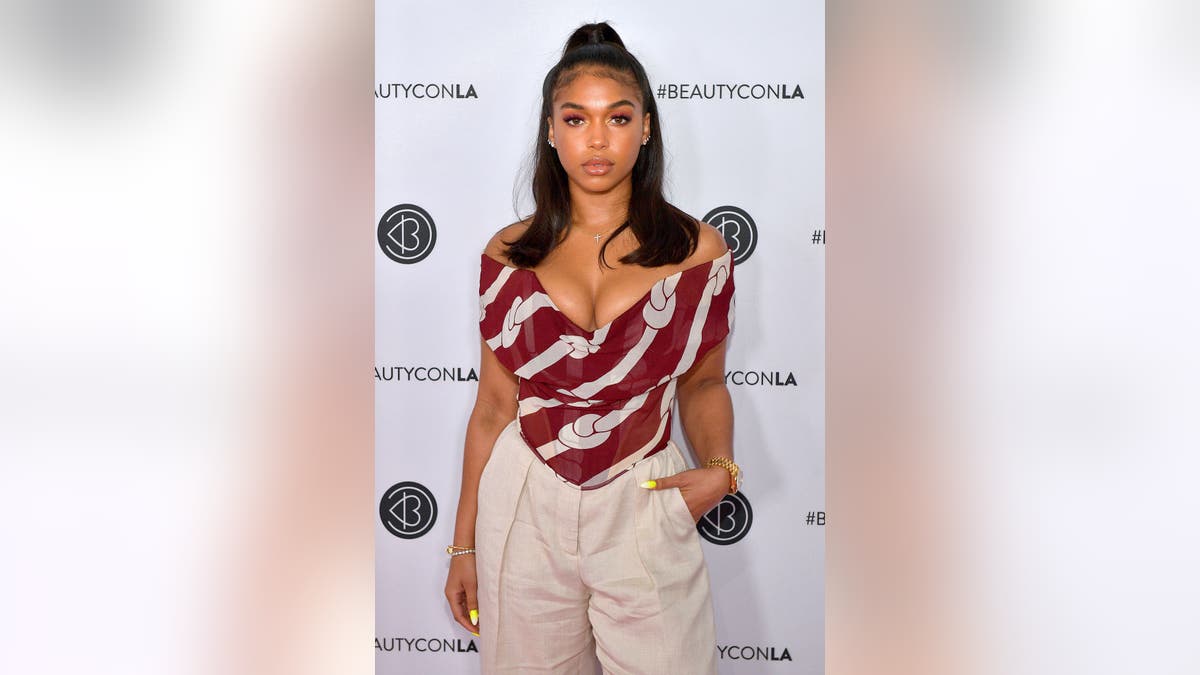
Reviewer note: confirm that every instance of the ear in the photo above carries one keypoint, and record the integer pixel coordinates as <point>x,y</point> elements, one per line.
<point>645,125</point>
<point>550,126</point>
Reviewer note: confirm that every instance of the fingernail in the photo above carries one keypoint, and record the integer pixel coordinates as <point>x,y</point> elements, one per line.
<point>475,634</point>
<point>474,617</point>
<point>650,484</point>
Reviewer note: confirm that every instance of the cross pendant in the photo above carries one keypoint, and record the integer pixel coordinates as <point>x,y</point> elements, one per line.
<point>596,237</point>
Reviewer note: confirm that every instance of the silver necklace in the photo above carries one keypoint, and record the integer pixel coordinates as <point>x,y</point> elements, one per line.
<point>597,236</point>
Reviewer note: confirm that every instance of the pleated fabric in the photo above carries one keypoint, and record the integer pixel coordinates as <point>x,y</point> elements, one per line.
<point>578,581</point>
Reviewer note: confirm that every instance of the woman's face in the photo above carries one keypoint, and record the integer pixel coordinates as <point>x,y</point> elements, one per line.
<point>597,126</point>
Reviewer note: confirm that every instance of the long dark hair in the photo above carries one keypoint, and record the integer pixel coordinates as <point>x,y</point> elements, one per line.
<point>666,235</point>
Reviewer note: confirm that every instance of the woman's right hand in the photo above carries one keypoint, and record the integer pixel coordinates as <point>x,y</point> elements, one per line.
<point>461,588</point>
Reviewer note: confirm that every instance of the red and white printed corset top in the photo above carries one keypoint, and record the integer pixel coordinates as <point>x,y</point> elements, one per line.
<point>592,403</point>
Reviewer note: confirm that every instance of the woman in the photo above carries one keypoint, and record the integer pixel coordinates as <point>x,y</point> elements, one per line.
<point>575,541</point>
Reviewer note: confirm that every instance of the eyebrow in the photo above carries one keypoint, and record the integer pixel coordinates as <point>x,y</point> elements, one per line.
<point>576,106</point>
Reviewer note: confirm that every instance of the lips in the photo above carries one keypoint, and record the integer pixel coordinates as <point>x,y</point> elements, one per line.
<point>597,166</point>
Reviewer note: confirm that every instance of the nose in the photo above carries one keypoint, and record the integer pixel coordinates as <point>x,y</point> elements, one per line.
<point>599,137</point>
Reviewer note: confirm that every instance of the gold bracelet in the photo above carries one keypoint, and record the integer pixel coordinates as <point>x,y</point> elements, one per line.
<point>735,473</point>
<point>459,550</point>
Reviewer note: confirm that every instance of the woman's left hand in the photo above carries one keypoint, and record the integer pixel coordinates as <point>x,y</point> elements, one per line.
<point>702,489</point>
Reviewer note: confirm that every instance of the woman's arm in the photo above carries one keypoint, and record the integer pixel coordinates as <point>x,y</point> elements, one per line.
<point>495,407</point>
<point>706,414</point>
<point>705,407</point>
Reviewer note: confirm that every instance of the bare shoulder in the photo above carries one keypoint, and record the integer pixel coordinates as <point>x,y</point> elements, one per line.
<point>496,248</point>
<point>711,244</point>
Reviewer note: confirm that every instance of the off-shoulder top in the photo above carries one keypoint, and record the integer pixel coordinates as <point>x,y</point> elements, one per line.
<point>592,403</point>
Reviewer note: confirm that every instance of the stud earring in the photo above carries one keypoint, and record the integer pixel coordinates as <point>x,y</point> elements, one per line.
<point>550,142</point>
<point>646,140</point>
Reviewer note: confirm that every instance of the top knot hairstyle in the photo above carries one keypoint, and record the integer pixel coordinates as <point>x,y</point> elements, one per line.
<point>666,234</point>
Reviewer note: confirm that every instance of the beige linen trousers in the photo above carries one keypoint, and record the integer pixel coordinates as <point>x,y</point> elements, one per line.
<point>572,581</point>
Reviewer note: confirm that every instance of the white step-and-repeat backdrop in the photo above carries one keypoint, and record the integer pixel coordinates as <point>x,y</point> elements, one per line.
<point>740,90</point>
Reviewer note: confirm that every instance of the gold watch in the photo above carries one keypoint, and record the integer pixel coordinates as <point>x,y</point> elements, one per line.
<point>735,473</point>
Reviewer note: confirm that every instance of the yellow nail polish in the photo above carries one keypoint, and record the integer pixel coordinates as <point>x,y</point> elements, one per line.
<point>475,634</point>
<point>474,617</point>
<point>650,484</point>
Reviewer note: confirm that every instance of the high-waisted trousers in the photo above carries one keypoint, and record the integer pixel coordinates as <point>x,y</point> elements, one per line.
<point>574,580</point>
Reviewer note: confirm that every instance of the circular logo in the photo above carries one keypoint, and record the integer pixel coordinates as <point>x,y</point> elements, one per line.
<point>741,234</point>
<point>728,521</point>
<point>408,510</point>
<point>406,233</point>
